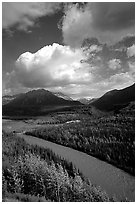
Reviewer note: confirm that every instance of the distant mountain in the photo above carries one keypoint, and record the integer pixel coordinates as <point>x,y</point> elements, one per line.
<point>61,95</point>
<point>84,100</point>
<point>87,100</point>
<point>8,98</point>
<point>36,102</point>
<point>115,99</point>
<point>93,99</point>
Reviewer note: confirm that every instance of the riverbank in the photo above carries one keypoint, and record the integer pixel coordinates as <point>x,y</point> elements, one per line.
<point>109,138</point>
<point>86,168</point>
<point>122,185</point>
<point>33,173</point>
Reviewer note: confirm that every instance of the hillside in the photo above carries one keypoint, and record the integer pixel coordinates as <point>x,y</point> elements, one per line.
<point>61,95</point>
<point>8,98</point>
<point>32,173</point>
<point>87,100</point>
<point>36,102</point>
<point>115,99</point>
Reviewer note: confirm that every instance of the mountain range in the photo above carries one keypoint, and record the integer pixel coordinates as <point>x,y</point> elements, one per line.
<point>87,101</point>
<point>36,102</point>
<point>41,101</point>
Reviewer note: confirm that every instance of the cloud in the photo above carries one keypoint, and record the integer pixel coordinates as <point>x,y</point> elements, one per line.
<point>114,64</point>
<point>75,25</point>
<point>113,15</point>
<point>132,68</point>
<point>108,22</point>
<point>23,14</point>
<point>60,68</point>
<point>131,51</point>
<point>53,65</point>
<point>98,88</point>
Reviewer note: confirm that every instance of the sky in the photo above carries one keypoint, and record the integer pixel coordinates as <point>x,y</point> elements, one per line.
<point>79,49</point>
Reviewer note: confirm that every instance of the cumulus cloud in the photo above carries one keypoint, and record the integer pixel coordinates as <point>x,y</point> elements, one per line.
<point>23,14</point>
<point>79,72</point>
<point>53,65</point>
<point>114,64</point>
<point>109,22</point>
<point>59,68</point>
<point>132,68</point>
<point>98,88</point>
<point>131,51</point>
<point>94,48</point>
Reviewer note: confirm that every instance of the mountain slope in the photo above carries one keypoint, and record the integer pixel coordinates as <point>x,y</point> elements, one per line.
<point>61,95</point>
<point>115,99</point>
<point>87,100</point>
<point>35,102</point>
<point>8,98</point>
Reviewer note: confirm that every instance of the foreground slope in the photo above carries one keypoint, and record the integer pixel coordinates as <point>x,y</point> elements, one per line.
<point>35,174</point>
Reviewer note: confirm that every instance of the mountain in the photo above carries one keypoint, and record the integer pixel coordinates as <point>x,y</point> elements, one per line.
<point>84,100</point>
<point>92,100</point>
<point>36,102</point>
<point>115,99</point>
<point>87,100</point>
<point>61,95</point>
<point>8,98</point>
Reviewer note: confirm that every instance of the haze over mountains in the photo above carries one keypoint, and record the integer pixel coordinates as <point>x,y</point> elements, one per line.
<point>87,100</point>
<point>40,101</point>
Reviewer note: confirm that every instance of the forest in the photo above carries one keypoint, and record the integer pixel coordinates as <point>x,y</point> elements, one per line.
<point>34,174</point>
<point>109,137</point>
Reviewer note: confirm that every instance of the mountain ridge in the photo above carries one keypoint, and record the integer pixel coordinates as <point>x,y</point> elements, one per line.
<point>36,101</point>
<point>115,99</point>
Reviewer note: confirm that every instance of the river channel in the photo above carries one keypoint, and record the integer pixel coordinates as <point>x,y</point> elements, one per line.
<point>114,181</point>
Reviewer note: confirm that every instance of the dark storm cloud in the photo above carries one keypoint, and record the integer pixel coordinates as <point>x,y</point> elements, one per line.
<point>109,22</point>
<point>113,15</point>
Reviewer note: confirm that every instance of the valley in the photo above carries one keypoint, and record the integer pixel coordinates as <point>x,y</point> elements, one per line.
<point>105,139</point>
<point>68,101</point>
<point>122,184</point>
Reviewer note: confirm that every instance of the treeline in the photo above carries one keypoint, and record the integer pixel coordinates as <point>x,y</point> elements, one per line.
<point>110,138</point>
<point>32,173</point>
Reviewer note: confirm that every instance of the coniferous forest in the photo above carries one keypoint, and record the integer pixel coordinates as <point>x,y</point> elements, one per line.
<point>109,137</point>
<point>34,174</point>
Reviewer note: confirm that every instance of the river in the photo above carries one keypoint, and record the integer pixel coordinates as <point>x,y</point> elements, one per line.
<point>111,179</point>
